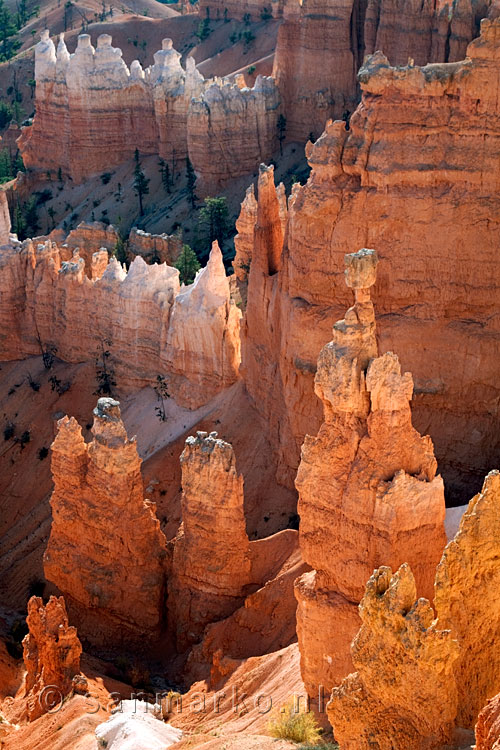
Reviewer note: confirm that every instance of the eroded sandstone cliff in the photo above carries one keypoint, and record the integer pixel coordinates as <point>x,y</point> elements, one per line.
<point>48,303</point>
<point>106,552</point>
<point>368,490</point>
<point>103,111</point>
<point>408,180</point>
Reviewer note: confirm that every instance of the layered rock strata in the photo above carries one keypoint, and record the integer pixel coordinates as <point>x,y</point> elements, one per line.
<point>230,130</point>
<point>51,653</point>
<point>368,490</point>
<point>103,111</point>
<point>321,46</point>
<point>406,179</point>
<point>253,9</point>
<point>106,551</point>
<point>403,693</point>
<point>154,248</point>
<point>138,316</point>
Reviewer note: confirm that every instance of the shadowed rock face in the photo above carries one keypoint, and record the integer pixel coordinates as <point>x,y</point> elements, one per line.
<point>321,46</point>
<point>488,726</point>
<point>51,653</point>
<point>409,181</point>
<point>368,491</point>
<point>403,693</point>
<point>106,550</point>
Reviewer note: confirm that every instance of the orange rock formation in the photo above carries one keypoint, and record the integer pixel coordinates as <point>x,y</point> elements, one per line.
<point>138,316</point>
<point>403,693</point>
<point>488,726</point>
<point>112,575</point>
<point>321,46</point>
<point>164,109</point>
<point>368,491</point>
<point>405,180</point>
<point>211,567</point>
<point>51,655</point>
<point>466,600</point>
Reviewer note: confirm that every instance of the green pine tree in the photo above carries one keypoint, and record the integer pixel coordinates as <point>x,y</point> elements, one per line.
<point>187,264</point>
<point>141,182</point>
<point>191,182</point>
<point>213,224</point>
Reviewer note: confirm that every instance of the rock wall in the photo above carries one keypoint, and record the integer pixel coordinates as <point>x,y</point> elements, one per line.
<point>403,693</point>
<point>368,490</point>
<point>466,601</point>
<point>211,568</point>
<point>112,575</point>
<point>139,317</point>
<point>230,130</point>
<point>162,110</point>
<point>488,726</point>
<point>255,9</point>
<point>154,248</point>
<point>407,180</point>
<point>51,653</point>
<point>321,45</point>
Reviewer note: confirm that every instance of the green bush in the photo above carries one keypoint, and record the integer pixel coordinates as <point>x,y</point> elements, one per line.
<point>296,726</point>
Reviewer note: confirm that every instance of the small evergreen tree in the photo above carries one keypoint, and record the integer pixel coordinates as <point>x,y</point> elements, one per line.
<point>105,374</point>
<point>5,114</point>
<point>165,174</point>
<point>141,182</point>
<point>191,182</point>
<point>213,224</point>
<point>187,264</point>
<point>120,251</point>
<point>281,125</point>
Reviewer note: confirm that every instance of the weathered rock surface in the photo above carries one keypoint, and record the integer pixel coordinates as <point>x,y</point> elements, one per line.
<point>138,316</point>
<point>321,46</point>
<point>202,358</point>
<point>103,111</point>
<point>230,130</point>
<point>403,693</point>
<point>51,655</point>
<point>211,567</point>
<point>243,242</point>
<point>406,180</point>
<point>466,601</point>
<point>106,551</point>
<point>155,248</point>
<point>488,726</point>
<point>4,220</point>
<point>368,491</point>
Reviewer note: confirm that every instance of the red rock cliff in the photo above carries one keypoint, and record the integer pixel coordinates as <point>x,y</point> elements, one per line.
<point>407,180</point>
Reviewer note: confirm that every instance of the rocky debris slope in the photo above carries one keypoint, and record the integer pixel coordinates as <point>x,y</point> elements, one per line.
<point>103,111</point>
<point>106,551</point>
<point>403,693</point>
<point>368,490</point>
<point>51,655</point>
<point>136,324</point>
<point>407,180</point>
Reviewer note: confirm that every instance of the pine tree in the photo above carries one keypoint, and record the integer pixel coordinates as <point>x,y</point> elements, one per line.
<point>213,224</point>
<point>187,264</point>
<point>141,182</point>
<point>191,182</point>
<point>120,251</point>
<point>281,125</point>
<point>165,174</point>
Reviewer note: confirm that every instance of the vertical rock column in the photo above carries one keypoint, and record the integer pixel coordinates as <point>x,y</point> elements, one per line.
<point>106,549</point>
<point>51,653</point>
<point>211,564</point>
<point>368,494</point>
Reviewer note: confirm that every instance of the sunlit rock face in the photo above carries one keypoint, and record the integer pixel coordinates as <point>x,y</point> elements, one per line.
<point>368,490</point>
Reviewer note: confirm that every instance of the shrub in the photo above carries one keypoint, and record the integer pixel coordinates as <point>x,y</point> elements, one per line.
<point>8,431</point>
<point>251,70</point>
<point>105,177</point>
<point>43,453</point>
<point>291,724</point>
